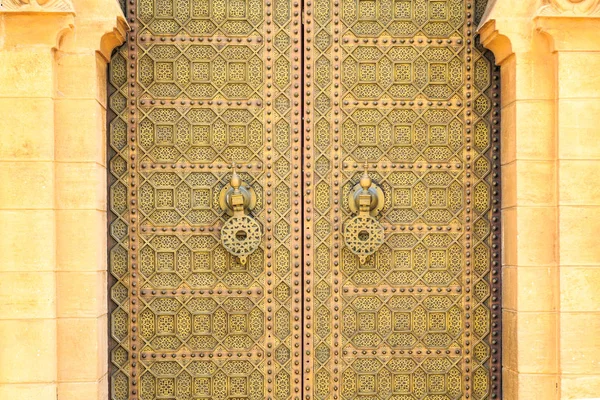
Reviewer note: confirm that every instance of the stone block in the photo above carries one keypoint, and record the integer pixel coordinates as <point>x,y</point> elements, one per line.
<point>82,344</point>
<point>77,75</point>
<point>80,131</point>
<point>97,390</point>
<point>80,186</point>
<point>535,130</point>
<point>529,236</point>
<point>529,288</point>
<point>529,183</point>
<point>530,386</point>
<point>580,387</point>
<point>27,185</point>
<point>579,289</point>
<point>28,351</point>
<point>28,241</point>
<point>579,343</point>
<point>572,68</point>
<point>81,240</point>
<point>579,182</point>
<point>579,243</point>
<point>23,137</point>
<point>26,71</point>
<point>81,294</point>
<point>42,391</point>
<point>579,133</point>
<point>27,295</point>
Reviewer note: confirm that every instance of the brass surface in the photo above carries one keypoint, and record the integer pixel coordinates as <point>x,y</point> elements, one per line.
<point>377,201</point>
<point>406,87</point>
<point>199,86</point>
<point>298,97</point>
<point>248,193</point>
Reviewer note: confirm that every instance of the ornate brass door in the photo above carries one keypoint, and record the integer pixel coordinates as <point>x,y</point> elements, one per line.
<point>304,202</point>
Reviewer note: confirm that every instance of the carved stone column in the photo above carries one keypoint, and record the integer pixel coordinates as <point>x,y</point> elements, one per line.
<point>29,34</point>
<point>548,56</point>
<point>81,208</point>
<point>574,29</point>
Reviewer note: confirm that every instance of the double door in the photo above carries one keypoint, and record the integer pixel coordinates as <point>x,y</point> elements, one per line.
<point>304,202</point>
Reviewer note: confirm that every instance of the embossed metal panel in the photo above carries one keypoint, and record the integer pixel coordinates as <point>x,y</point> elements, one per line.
<point>199,86</point>
<point>404,86</point>
<point>304,202</point>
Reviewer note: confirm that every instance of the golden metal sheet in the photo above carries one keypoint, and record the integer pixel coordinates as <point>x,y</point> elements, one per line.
<point>405,87</point>
<point>201,85</point>
<point>299,96</point>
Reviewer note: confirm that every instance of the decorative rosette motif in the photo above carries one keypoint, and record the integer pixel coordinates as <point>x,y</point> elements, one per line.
<point>363,236</point>
<point>241,236</point>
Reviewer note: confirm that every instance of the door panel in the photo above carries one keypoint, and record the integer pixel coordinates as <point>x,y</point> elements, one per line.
<point>404,87</point>
<point>201,85</point>
<point>246,260</point>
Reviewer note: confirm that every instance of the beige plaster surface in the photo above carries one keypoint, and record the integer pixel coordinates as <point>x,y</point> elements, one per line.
<point>548,52</point>
<point>53,305</point>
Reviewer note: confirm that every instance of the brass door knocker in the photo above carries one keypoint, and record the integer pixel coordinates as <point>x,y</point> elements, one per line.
<point>241,234</point>
<point>363,234</point>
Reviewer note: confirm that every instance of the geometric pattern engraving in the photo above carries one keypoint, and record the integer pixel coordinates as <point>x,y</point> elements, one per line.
<point>363,236</point>
<point>402,72</point>
<point>196,262</point>
<point>403,378</point>
<point>405,87</point>
<point>434,198</point>
<point>403,18</point>
<point>403,135</point>
<point>200,324</point>
<point>403,322</point>
<point>172,198</point>
<point>202,379</point>
<point>202,136</point>
<point>233,72</point>
<point>407,259</point>
<point>241,236</point>
<point>199,86</point>
<point>201,17</point>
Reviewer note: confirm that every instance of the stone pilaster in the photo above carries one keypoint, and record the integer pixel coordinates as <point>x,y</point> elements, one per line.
<point>27,199</point>
<point>51,52</point>
<point>81,209</point>
<point>573,28</point>
<point>550,176</point>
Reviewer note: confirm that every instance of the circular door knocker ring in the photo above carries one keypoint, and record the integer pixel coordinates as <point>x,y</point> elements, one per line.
<point>363,236</point>
<point>241,237</point>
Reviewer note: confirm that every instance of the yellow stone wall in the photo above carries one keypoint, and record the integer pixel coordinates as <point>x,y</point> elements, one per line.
<point>53,305</point>
<point>549,53</point>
